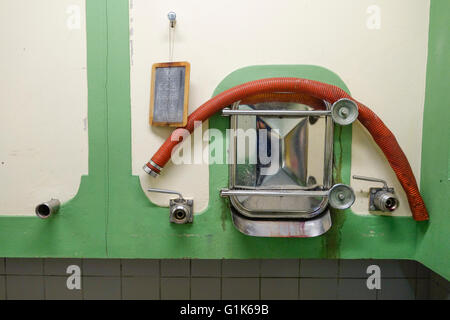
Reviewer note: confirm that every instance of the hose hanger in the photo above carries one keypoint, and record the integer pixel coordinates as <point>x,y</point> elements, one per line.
<point>301,88</point>
<point>172,16</point>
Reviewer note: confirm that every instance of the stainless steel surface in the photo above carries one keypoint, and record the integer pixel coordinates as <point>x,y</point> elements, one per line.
<point>292,174</point>
<point>181,211</point>
<point>338,190</point>
<point>385,201</point>
<point>155,165</point>
<point>151,172</point>
<point>328,151</point>
<point>46,209</point>
<point>380,199</point>
<point>306,228</point>
<point>276,113</point>
<point>271,192</point>
<point>344,111</point>
<point>341,196</point>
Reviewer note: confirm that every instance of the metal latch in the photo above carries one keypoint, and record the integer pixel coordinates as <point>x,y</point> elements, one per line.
<point>380,199</point>
<point>181,210</point>
<point>340,196</point>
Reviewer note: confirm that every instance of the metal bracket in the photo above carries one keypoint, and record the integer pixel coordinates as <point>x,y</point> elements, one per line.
<point>343,112</point>
<point>340,196</point>
<point>380,199</point>
<point>180,209</point>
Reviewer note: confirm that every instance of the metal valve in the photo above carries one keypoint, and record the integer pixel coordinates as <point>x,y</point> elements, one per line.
<point>381,199</point>
<point>180,209</point>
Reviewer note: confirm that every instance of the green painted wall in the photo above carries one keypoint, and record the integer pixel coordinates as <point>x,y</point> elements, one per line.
<point>79,229</point>
<point>433,241</point>
<point>112,217</point>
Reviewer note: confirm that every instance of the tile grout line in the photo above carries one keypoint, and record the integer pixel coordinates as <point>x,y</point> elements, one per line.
<point>338,278</point>
<point>121,281</point>
<point>6,280</point>
<point>299,277</point>
<point>82,280</point>
<point>159,273</point>
<point>190,279</point>
<point>221,279</point>
<point>260,281</point>
<point>43,278</point>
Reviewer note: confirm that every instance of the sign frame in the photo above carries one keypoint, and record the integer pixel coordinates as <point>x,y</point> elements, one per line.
<point>187,67</point>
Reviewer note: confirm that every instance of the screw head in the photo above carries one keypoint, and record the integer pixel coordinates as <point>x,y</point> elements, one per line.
<point>172,16</point>
<point>343,112</point>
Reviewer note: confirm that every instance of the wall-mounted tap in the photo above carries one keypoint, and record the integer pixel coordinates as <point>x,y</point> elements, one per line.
<point>180,209</point>
<point>380,199</point>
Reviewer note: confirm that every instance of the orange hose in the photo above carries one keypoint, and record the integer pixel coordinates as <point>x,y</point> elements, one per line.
<point>384,138</point>
<point>285,97</point>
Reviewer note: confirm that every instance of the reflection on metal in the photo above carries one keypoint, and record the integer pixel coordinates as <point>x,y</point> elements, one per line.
<point>47,209</point>
<point>341,196</point>
<point>344,111</point>
<point>290,172</point>
<point>380,199</point>
<point>301,228</point>
<point>180,209</point>
<point>172,16</point>
<point>269,192</point>
<point>291,200</point>
<point>276,113</point>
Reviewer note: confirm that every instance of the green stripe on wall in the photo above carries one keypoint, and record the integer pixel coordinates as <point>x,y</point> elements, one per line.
<point>433,245</point>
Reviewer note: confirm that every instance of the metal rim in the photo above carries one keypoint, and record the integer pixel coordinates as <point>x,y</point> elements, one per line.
<point>341,196</point>
<point>344,111</point>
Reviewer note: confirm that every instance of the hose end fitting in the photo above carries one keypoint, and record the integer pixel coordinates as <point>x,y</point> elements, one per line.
<point>152,169</point>
<point>46,209</point>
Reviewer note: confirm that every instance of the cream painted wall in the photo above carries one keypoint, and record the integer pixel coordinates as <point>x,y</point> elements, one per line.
<point>43,102</point>
<point>384,68</point>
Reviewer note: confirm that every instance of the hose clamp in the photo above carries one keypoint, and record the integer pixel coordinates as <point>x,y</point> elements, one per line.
<point>155,165</point>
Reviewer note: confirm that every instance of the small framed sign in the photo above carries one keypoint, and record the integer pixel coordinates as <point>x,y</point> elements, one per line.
<point>169,94</point>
